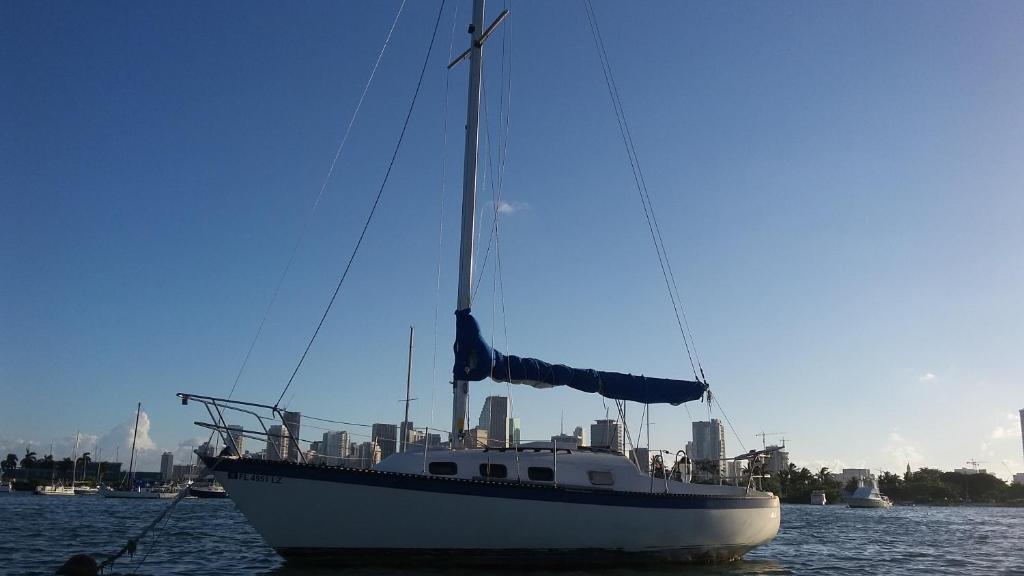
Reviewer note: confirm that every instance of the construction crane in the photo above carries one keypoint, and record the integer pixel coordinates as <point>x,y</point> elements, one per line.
<point>974,464</point>
<point>763,435</point>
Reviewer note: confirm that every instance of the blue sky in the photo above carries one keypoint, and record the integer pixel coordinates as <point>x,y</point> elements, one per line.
<point>839,185</point>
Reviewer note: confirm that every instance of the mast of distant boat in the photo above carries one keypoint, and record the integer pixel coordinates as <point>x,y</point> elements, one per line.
<point>404,440</point>
<point>131,462</point>
<point>74,456</point>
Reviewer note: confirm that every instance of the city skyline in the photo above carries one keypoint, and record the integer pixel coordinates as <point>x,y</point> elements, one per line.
<point>711,436</point>
<point>840,202</point>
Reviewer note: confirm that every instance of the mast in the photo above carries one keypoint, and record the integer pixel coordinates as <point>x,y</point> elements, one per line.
<point>131,462</point>
<point>404,440</point>
<point>476,29</point>
<point>74,461</point>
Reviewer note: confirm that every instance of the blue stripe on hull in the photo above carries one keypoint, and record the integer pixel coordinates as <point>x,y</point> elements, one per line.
<point>275,472</point>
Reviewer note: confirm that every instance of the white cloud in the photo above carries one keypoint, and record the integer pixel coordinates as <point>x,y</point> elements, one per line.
<point>926,377</point>
<point>1004,432</point>
<point>902,451</point>
<point>511,207</point>
<point>1009,431</point>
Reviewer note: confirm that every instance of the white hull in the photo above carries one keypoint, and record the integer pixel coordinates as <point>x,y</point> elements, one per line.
<point>135,495</point>
<point>868,503</point>
<point>55,491</point>
<point>355,515</point>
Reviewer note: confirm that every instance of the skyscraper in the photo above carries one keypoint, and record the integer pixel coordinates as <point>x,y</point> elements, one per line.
<point>407,434</point>
<point>778,460</point>
<point>386,436</point>
<point>494,419</point>
<point>514,431</point>
<point>708,450</point>
<point>167,466</point>
<point>608,434</point>
<point>581,439</point>
<point>277,443</point>
<point>235,436</point>
<point>293,421</point>
<point>334,446</point>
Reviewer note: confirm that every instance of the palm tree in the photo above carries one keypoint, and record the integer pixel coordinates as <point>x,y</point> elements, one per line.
<point>29,461</point>
<point>824,476</point>
<point>10,463</point>
<point>83,461</point>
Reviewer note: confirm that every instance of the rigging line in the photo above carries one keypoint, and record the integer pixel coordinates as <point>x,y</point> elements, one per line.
<point>496,193</point>
<point>506,97</point>
<point>646,191</point>
<point>373,209</point>
<point>634,165</point>
<point>650,203</point>
<point>316,203</point>
<point>726,416</point>
<point>440,215</point>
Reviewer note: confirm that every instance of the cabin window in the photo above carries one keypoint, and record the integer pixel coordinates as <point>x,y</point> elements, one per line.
<point>540,474</point>
<point>598,478</point>
<point>444,468</point>
<point>493,471</point>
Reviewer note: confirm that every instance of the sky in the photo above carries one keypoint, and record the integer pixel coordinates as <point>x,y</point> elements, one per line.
<point>838,184</point>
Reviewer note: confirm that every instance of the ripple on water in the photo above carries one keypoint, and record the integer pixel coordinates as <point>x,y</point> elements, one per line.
<point>211,537</point>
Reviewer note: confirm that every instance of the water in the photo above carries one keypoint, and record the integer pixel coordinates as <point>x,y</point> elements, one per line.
<point>211,537</point>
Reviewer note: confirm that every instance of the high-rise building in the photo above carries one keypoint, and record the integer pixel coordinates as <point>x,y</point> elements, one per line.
<point>235,437</point>
<point>367,455</point>
<point>776,461</point>
<point>1018,478</point>
<point>708,450</point>
<point>333,447</point>
<point>609,435</point>
<point>411,438</point>
<point>476,437</point>
<point>515,430</point>
<point>386,436</point>
<point>565,441</point>
<point>277,443</point>
<point>1022,428</point>
<point>495,419</point>
<point>293,420</point>
<point>642,458</point>
<point>580,435</point>
<point>167,466</point>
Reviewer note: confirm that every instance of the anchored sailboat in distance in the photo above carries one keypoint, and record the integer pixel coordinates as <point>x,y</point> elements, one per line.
<point>127,488</point>
<point>541,496</point>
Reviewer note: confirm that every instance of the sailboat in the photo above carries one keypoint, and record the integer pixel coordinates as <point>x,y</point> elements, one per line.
<point>495,506</point>
<point>58,488</point>
<point>127,488</point>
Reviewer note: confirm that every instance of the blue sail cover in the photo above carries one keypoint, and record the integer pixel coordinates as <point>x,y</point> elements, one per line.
<point>476,360</point>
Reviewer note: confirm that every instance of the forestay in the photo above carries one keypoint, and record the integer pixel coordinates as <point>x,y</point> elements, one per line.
<point>475,360</point>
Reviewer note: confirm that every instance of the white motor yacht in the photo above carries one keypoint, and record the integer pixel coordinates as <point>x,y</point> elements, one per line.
<point>867,496</point>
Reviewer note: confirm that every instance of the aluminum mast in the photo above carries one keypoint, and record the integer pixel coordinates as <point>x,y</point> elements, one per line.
<point>476,29</point>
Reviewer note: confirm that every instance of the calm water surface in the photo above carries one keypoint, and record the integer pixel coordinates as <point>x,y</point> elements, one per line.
<point>211,537</point>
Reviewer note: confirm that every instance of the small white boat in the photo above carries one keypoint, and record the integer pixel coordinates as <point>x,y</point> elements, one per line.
<point>818,498</point>
<point>55,490</point>
<point>207,490</point>
<point>867,496</point>
<point>86,491</point>
<point>6,487</point>
<point>139,493</point>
